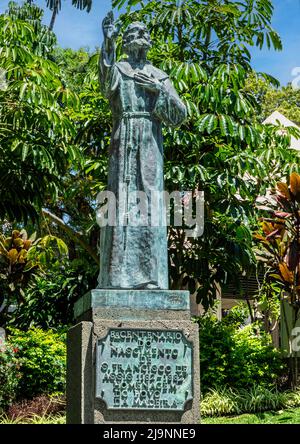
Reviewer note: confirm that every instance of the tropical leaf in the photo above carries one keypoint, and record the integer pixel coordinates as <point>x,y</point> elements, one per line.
<point>295,185</point>
<point>283,190</point>
<point>79,4</point>
<point>292,257</point>
<point>286,274</point>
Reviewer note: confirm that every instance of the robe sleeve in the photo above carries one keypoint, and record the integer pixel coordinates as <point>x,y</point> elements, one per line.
<point>169,108</point>
<point>109,74</point>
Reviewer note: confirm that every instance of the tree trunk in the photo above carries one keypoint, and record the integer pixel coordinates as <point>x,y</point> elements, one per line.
<point>53,18</point>
<point>290,323</point>
<point>294,352</point>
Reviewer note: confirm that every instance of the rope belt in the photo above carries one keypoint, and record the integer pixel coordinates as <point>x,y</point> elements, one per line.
<point>136,114</point>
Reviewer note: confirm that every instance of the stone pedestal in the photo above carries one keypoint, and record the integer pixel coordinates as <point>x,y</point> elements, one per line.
<point>133,357</point>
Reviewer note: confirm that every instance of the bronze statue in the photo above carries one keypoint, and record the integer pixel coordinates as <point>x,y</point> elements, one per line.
<point>142,98</point>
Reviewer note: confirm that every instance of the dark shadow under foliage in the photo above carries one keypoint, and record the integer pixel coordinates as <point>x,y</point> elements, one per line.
<point>39,406</point>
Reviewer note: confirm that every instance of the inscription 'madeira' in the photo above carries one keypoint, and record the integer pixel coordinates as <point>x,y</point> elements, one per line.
<point>144,369</point>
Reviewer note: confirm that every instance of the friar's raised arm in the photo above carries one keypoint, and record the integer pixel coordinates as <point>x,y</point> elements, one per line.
<point>169,108</point>
<point>108,74</point>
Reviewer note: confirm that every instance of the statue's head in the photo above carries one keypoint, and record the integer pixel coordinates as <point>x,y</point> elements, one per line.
<point>136,37</point>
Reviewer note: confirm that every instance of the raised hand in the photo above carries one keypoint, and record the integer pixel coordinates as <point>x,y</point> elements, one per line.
<point>110,30</point>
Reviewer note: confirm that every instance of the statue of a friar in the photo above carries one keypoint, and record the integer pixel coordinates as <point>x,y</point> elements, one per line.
<point>142,98</point>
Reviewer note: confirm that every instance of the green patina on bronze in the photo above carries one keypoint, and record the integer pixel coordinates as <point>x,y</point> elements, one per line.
<point>144,370</point>
<point>142,99</point>
<point>138,299</point>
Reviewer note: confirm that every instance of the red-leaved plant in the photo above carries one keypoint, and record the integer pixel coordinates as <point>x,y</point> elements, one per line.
<point>279,247</point>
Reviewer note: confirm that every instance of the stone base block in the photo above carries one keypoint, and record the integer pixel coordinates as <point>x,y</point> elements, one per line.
<point>133,371</point>
<point>80,374</point>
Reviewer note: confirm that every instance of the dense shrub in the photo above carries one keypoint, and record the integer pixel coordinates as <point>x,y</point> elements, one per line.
<point>42,359</point>
<point>237,316</point>
<point>254,360</point>
<point>49,298</point>
<point>9,375</point>
<point>237,357</point>
<point>228,401</point>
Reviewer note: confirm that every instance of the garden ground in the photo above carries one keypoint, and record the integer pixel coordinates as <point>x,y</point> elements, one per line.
<point>291,416</point>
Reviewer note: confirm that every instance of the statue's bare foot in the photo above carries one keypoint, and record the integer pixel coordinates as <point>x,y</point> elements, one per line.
<point>151,287</point>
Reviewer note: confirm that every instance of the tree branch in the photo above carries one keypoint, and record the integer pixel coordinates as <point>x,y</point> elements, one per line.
<point>73,234</point>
